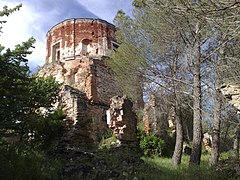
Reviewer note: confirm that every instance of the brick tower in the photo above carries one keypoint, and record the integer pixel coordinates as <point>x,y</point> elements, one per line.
<point>76,53</point>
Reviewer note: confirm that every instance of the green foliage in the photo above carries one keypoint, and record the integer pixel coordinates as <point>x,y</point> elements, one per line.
<point>21,162</point>
<point>20,94</point>
<point>22,97</point>
<point>26,107</point>
<point>6,12</point>
<point>228,168</point>
<point>107,139</point>
<point>46,129</point>
<point>43,92</point>
<point>151,145</point>
<point>14,81</point>
<point>226,155</point>
<point>139,114</point>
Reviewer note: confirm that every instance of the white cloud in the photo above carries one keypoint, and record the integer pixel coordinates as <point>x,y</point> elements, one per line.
<point>20,26</point>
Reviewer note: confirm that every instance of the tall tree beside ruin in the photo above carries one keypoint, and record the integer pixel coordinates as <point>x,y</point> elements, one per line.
<point>155,54</point>
<point>224,59</point>
<point>216,129</point>
<point>157,30</point>
<point>177,155</point>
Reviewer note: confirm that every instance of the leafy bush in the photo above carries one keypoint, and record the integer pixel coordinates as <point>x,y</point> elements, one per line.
<point>152,145</point>
<point>47,128</point>
<point>107,139</point>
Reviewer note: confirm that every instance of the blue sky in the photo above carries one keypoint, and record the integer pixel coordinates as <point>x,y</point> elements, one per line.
<point>36,17</point>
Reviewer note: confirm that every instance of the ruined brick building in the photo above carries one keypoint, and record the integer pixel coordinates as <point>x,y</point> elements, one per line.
<point>76,53</point>
<point>77,49</point>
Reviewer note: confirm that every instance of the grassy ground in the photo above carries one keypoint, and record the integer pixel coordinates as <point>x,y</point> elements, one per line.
<point>164,169</point>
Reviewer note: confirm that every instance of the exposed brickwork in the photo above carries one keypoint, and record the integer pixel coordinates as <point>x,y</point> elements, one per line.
<point>76,55</point>
<point>71,33</point>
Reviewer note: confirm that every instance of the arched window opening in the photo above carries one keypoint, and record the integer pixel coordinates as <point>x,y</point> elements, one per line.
<point>85,46</point>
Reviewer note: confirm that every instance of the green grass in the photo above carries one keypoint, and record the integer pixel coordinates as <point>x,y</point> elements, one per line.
<point>163,169</point>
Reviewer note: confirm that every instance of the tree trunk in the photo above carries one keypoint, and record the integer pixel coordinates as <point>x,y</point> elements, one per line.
<point>216,129</point>
<point>177,155</point>
<point>197,114</point>
<point>236,141</point>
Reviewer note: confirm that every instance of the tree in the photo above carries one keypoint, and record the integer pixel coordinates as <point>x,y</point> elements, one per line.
<point>159,29</point>
<point>140,54</point>
<point>21,95</point>
<point>6,12</point>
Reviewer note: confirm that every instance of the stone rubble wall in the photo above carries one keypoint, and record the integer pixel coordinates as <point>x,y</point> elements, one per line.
<point>85,121</point>
<point>90,76</point>
<point>106,84</point>
<point>123,121</point>
<point>232,93</point>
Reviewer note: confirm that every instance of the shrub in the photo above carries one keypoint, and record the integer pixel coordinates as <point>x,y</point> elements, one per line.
<point>46,129</point>
<point>152,145</point>
<point>107,139</point>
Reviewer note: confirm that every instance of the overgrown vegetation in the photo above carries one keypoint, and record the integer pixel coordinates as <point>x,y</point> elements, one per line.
<point>152,145</point>
<point>21,161</point>
<point>108,139</point>
<point>29,124</point>
<point>167,171</point>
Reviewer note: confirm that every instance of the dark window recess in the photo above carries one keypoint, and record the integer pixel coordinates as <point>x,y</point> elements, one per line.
<point>85,46</point>
<point>93,33</point>
<point>97,51</point>
<point>114,46</point>
<point>56,53</point>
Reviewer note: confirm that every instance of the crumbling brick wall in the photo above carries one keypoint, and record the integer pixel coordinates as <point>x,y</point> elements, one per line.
<point>76,55</point>
<point>85,121</point>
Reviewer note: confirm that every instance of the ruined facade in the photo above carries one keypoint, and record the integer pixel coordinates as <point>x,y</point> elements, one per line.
<point>77,51</point>
<point>232,93</point>
<point>123,121</point>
